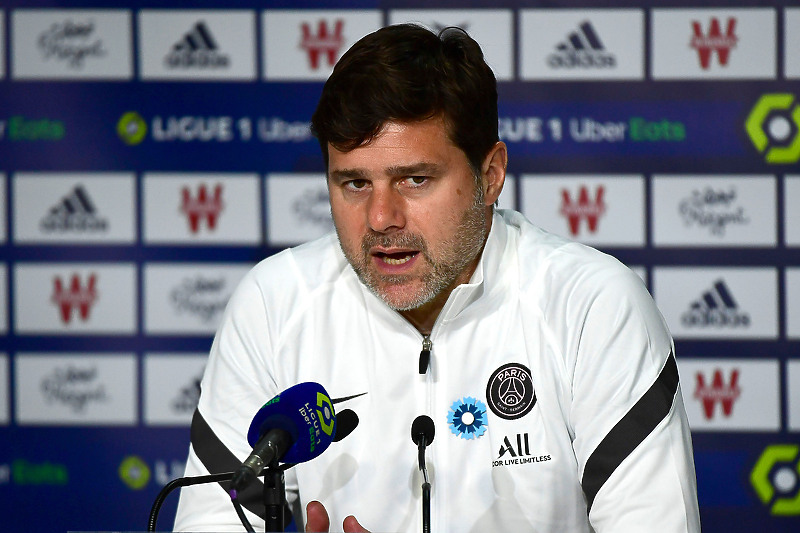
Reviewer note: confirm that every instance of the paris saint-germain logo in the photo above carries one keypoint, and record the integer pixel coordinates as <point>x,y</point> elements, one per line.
<point>510,393</point>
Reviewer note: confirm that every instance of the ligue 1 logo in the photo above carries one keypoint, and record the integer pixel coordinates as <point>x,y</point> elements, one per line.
<point>773,126</point>
<point>510,393</point>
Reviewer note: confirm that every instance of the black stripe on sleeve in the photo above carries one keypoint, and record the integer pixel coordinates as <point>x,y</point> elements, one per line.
<point>217,458</point>
<point>629,432</point>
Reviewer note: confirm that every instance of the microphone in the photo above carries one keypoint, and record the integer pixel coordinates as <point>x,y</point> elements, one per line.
<point>422,432</point>
<point>293,427</point>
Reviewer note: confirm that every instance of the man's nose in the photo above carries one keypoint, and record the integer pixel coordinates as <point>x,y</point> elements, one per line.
<point>385,210</point>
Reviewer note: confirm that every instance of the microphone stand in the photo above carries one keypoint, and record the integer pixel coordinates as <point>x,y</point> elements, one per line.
<point>426,489</point>
<point>274,494</point>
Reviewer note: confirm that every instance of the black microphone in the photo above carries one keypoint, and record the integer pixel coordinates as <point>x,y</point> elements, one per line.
<point>422,432</point>
<point>293,427</point>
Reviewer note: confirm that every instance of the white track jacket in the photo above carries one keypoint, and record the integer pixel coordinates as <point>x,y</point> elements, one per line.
<point>552,385</point>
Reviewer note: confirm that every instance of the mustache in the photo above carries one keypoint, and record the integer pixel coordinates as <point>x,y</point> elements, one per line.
<point>399,240</point>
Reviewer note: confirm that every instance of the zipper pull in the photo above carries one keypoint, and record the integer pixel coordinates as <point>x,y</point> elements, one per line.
<point>425,354</point>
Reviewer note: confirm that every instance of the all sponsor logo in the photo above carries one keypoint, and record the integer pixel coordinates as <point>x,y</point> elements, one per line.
<point>716,307</point>
<point>74,295</point>
<point>717,392</point>
<point>517,451</point>
<point>298,210</point>
<point>773,126</point>
<point>323,46</point>
<point>66,208</point>
<point>188,298</point>
<point>75,299</point>
<point>66,44</point>
<point>711,43</point>
<point>194,208</point>
<point>714,210</point>
<point>172,387</point>
<point>731,394</point>
<point>75,212</point>
<point>197,45</point>
<point>723,302</point>
<point>493,29</point>
<point>601,211</point>
<point>715,41</point>
<point>197,49</point>
<point>510,392</point>
<point>583,208</point>
<point>19,128</point>
<point>582,49</point>
<point>76,389</point>
<point>136,473</point>
<point>203,206</point>
<point>72,41</point>
<point>775,478</point>
<point>202,296</point>
<point>581,44</point>
<point>306,44</point>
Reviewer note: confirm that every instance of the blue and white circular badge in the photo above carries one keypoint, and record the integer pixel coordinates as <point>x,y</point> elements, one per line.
<point>467,418</point>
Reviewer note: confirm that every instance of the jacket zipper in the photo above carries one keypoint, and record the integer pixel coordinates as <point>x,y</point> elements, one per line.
<point>425,354</point>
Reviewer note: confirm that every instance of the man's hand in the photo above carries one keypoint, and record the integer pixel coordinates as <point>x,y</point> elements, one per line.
<point>317,520</point>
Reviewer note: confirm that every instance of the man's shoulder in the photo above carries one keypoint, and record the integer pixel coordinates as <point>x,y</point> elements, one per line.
<point>305,266</point>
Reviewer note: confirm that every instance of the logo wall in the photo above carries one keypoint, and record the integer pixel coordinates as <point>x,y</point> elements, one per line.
<point>197,45</point>
<point>601,211</point>
<point>713,43</point>
<point>725,302</point>
<point>71,44</point>
<point>731,395</point>
<point>305,44</point>
<point>581,44</point>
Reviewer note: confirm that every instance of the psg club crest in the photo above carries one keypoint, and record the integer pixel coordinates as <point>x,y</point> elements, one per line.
<point>510,393</point>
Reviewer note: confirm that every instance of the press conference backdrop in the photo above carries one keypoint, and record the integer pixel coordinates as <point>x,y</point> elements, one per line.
<point>151,153</point>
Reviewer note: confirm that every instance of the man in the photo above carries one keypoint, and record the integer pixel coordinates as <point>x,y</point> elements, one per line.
<point>551,379</point>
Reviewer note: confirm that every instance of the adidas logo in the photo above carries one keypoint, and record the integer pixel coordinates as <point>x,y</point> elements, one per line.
<point>197,49</point>
<point>715,308</point>
<point>582,49</point>
<point>75,212</point>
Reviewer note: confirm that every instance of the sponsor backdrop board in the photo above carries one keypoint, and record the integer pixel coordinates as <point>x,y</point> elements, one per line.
<point>151,154</point>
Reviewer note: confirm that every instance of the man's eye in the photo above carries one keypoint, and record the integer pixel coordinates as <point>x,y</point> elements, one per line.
<point>356,184</point>
<point>417,180</point>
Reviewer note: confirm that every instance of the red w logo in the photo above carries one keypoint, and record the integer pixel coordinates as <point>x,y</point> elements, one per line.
<point>324,42</point>
<point>203,206</point>
<point>76,296</point>
<point>717,392</point>
<point>714,41</point>
<point>586,208</point>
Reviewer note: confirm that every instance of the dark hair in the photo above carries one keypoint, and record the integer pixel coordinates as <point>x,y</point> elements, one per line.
<point>406,73</point>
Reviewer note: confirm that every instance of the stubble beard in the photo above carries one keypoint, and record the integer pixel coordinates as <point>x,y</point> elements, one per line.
<point>444,267</point>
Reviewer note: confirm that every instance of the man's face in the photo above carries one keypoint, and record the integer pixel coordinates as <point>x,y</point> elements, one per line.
<point>410,217</point>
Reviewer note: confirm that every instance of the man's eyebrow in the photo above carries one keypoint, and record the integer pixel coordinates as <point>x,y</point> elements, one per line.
<point>347,174</point>
<point>423,167</point>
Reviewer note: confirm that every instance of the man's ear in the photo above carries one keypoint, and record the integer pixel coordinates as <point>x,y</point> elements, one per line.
<point>493,173</point>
